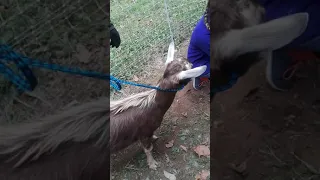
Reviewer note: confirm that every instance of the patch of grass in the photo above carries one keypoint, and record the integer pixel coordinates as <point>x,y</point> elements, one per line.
<point>145,33</point>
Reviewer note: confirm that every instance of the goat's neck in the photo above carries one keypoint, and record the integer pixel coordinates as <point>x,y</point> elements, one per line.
<point>164,99</point>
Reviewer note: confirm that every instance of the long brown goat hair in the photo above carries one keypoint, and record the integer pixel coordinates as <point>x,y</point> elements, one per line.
<point>69,145</point>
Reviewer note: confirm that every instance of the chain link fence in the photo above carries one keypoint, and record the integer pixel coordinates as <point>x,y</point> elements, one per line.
<point>145,32</point>
<point>36,26</point>
<point>72,33</point>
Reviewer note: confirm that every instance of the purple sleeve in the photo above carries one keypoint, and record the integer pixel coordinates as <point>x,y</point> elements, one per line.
<point>204,44</point>
<point>199,47</point>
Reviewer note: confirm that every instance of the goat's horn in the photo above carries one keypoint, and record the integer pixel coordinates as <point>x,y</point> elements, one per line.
<point>170,55</point>
<point>267,36</point>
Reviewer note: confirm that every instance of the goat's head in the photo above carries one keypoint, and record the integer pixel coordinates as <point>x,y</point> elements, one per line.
<point>236,50</point>
<point>178,71</point>
<point>239,36</point>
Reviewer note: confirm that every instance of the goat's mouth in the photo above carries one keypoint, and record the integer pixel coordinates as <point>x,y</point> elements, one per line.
<point>184,82</point>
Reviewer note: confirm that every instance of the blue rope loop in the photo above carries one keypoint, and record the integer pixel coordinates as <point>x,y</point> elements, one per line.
<point>8,55</point>
<point>30,81</point>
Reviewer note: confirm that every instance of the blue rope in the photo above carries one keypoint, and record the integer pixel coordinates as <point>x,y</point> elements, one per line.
<point>8,55</point>
<point>143,85</point>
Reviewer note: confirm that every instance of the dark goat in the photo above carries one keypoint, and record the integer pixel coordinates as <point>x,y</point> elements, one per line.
<point>240,38</point>
<point>137,117</point>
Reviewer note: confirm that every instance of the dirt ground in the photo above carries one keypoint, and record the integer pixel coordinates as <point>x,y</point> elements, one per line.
<point>260,134</point>
<point>186,123</point>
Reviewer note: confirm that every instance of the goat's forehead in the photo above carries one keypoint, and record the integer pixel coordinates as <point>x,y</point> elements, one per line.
<point>180,64</point>
<point>185,63</point>
<point>188,65</point>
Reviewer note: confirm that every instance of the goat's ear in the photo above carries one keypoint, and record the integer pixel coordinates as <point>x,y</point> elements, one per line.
<point>192,73</point>
<point>170,55</point>
<point>267,36</point>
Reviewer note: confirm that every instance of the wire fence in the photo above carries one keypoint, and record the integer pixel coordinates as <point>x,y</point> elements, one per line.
<point>51,24</point>
<point>145,33</point>
<point>53,31</point>
<point>66,32</point>
<point>49,30</point>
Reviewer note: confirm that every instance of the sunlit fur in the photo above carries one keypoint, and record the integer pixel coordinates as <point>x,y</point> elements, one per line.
<point>141,100</point>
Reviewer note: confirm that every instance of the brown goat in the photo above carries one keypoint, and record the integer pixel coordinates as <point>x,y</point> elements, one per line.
<point>137,117</point>
<point>76,143</point>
